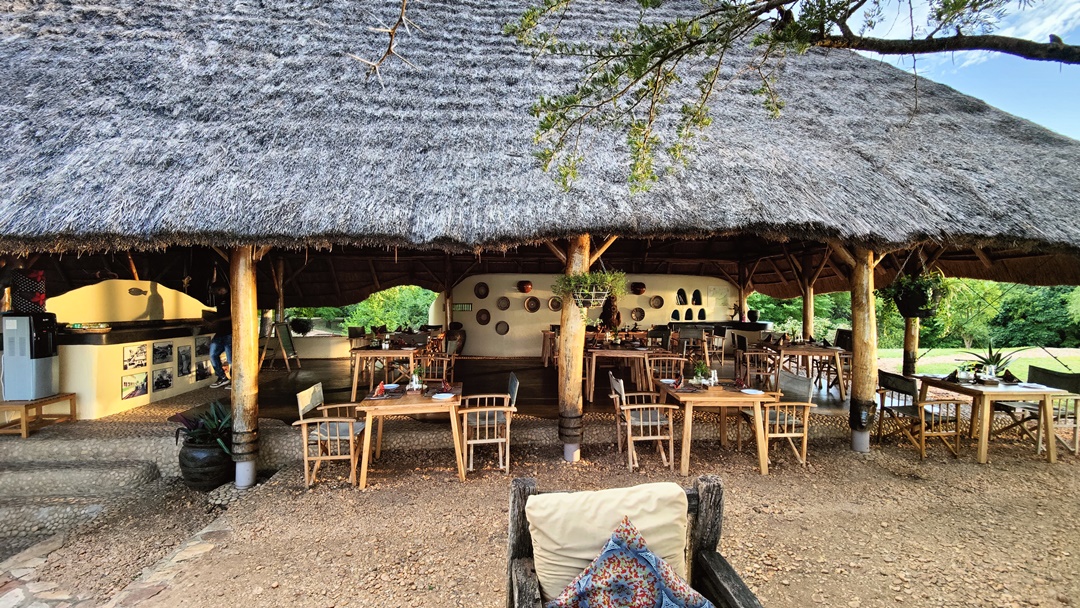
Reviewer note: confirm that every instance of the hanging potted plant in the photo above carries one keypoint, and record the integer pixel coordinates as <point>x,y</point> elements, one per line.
<point>916,295</point>
<point>205,460</point>
<point>590,289</point>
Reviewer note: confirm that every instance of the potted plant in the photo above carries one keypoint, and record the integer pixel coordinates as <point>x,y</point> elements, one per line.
<point>916,295</point>
<point>205,459</point>
<point>701,369</point>
<point>590,289</point>
<point>992,362</point>
<point>301,325</point>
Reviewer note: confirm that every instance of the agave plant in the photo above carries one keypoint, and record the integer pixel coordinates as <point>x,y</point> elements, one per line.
<point>997,358</point>
<point>212,426</point>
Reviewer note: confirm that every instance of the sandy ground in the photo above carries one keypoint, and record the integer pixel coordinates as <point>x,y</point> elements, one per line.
<point>883,529</point>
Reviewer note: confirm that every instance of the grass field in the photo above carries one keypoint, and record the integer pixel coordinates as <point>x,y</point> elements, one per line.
<point>943,361</point>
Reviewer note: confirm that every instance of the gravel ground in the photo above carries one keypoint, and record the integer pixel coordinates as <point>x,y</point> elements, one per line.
<point>882,529</point>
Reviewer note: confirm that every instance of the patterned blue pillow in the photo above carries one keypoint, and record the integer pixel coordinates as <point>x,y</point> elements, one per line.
<point>627,575</point>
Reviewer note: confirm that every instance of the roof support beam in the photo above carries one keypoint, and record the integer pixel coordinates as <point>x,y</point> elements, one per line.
<point>599,252</point>
<point>333,276</point>
<point>374,275</point>
<point>131,265</point>
<point>985,259</point>
<point>559,253</point>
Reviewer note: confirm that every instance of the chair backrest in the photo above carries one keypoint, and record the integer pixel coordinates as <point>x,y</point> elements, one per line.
<point>1055,379</point>
<point>898,384</point>
<point>740,342</point>
<point>430,327</point>
<point>795,388</point>
<point>844,339</point>
<point>309,399</point>
<point>512,388</point>
<point>356,332</point>
<point>618,388</point>
<point>666,367</point>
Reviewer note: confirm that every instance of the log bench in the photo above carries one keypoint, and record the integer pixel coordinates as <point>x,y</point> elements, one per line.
<point>32,414</point>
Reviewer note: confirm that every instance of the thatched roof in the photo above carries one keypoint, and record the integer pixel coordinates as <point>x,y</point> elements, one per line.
<point>152,124</point>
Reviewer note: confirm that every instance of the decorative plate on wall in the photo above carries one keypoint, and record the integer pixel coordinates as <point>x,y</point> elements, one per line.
<point>483,317</point>
<point>480,290</point>
<point>532,303</point>
<point>555,303</point>
<point>503,303</point>
<point>656,302</point>
<point>502,328</point>
<point>637,314</point>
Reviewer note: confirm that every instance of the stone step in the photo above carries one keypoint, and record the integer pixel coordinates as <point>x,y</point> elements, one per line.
<point>73,479</point>
<point>28,518</point>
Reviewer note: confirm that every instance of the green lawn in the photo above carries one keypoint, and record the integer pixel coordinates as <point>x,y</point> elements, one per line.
<point>944,360</point>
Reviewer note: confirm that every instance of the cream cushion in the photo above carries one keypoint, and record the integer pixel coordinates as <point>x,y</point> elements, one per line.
<point>569,529</point>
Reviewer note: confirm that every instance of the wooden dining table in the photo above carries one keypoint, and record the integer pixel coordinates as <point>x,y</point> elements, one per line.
<point>637,358</point>
<point>720,397</point>
<point>809,352</point>
<point>983,397</point>
<point>359,356</point>
<point>375,409</point>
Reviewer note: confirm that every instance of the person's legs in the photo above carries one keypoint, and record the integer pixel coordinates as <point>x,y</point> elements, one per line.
<point>218,346</point>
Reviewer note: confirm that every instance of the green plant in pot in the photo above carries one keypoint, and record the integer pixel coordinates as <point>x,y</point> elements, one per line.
<point>916,295</point>
<point>701,370</point>
<point>205,459</point>
<point>590,289</point>
<point>998,360</point>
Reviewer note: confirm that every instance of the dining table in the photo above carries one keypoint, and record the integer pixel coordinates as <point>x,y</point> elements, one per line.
<point>398,402</point>
<point>983,397</point>
<point>636,357</point>
<point>807,353</point>
<point>362,356</point>
<point>722,398</point>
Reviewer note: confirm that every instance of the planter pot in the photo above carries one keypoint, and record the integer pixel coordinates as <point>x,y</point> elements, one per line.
<point>588,299</point>
<point>917,303</point>
<point>524,286</point>
<point>205,466</point>
<point>752,316</point>
<point>637,288</point>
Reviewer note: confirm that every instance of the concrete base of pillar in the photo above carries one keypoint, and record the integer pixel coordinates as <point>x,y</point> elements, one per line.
<point>860,441</point>
<point>245,474</point>
<point>571,452</point>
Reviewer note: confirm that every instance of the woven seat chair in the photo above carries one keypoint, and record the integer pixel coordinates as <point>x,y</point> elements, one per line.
<point>336,435</point>
<point>642,417</point>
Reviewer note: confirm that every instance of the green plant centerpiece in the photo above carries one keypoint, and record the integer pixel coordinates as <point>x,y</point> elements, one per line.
<point>205,459</point>
<point>701,369</point>
<point>992,362</point>
<point>590,289</point>
<point>916,295</point>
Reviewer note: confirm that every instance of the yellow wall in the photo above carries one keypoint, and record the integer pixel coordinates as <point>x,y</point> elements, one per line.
<point>523,339</point>
<point>121,300</point>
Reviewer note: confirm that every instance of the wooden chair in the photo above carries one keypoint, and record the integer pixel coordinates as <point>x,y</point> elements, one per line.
<point>760,368</point>
<point>694,344</point>
<point>336,435</point>
<point>788,416</point>
<point>706,570</point>
<point>438,367</point>
<point>658,338</point>
<point>717,346</point>
<point>898,398</point>
<point>644,418</point>
<point>485,419</point>
<point>1063,413</point>
<point>664,367</point>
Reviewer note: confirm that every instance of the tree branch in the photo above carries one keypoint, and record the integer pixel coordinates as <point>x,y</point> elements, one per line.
<point>1027,49</point>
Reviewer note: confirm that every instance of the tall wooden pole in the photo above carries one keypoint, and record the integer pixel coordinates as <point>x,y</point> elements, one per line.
<point>807,309</point>
<point>571,354</point>
<point>744,292</point>
<point>279,285</point>
<point>911,344</point>
<point>864,361</point>
<point>245,365</point>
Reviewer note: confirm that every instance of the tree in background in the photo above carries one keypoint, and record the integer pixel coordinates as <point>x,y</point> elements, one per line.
<point>831,311</point>
<point>402,306</point>
<point>1035,316</point>
<point>966,312</point>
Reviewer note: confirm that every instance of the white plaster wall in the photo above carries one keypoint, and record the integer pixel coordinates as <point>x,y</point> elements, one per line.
<point>321,347</point>
<point>94,373</point>
<point>117,300</point>
<point>524,337</point>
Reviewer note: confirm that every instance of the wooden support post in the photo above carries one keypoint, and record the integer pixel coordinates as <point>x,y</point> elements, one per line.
<point>911,344</point>
<point>864,360</point>
<point>279,285</point>
<point>245,365</point>
<point>571,355</point>
<point>807,308</point>
<point>743,291</point>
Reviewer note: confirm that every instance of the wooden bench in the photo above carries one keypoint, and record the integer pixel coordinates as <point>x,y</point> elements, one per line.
<point>32,415</point>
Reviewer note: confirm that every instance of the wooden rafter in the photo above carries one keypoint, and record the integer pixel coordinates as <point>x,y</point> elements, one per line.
<point>559,253</point>
<point>374,275</point>
<point>600,251</point>
<point>985,259</point>
<point>333,276</point>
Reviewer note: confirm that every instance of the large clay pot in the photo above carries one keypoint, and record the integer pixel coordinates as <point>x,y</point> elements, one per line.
<point>205,466</point>
<point>752,316</point>
<point>524,286</point>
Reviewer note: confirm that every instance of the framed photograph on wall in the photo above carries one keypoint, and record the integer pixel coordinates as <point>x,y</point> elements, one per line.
<point>133,385</point>
<point>134,357</point>
<point>183,360</point>
<point>202,370</point>
<point>202,346</point>
<point>162,352</point>
<point>162,379</point>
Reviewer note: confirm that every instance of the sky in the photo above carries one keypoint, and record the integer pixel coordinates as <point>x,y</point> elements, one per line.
<point>1045,93</point>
